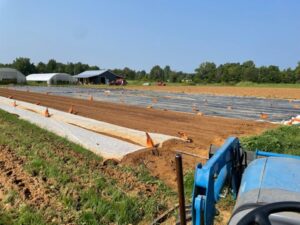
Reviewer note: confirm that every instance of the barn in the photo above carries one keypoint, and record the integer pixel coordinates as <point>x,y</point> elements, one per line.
<point>97,77</point>
<point>11,76</point>
<point>51,78</point>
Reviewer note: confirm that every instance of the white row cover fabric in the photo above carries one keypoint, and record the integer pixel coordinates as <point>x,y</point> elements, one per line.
<point>102,145</point>
<point>78,128</point>
<point>51,78</point>
<point>132,135</point>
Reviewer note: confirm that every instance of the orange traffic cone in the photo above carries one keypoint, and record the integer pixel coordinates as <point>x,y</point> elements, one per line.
<point>14,104</point>
<point>46,113</point>
<point>149,141</point>
<point>154,100</point>
<point>71,109</point>
<point>195,108</point>
<point>264,116</point>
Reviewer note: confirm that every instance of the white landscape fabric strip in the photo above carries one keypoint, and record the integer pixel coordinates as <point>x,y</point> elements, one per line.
<point>105,146</point>
<point>133,135</point>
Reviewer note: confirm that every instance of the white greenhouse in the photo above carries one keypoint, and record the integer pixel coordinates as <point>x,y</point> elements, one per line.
<point>11,76</point>
<point>51,78</point>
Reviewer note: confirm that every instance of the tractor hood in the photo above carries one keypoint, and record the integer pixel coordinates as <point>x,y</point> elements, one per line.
<point>268,180</point>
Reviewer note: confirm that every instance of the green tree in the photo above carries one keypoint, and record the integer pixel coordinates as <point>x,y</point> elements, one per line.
<point>60,68</point>
<point>167,73</point>
<point>24,65</point>
<point>41,68</point>
<point>129,73</point>
<point>51,66</point>
<point>5,65</point>
<point>156,73</point>
<point>118,72</point>
<point>173,77</point>
<point>297,73</point>
<point>78,68</point>
<point>229,73</point>
<point>270,74</point>
<point>288,76</point>
<point>141,75</point>
<point>181,76</point>
<point>206,72</point>
<point>249,71</point>
<point>69,68</point>
<point>94,68</point>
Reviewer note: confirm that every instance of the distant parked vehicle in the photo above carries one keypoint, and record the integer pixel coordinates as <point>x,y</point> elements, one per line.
<point>118,82</point>
<point>161,83</point>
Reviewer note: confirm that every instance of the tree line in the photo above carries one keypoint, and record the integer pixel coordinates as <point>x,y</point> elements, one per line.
<point>25,66</point>
<point>206,72</point>
<point>209,72</point>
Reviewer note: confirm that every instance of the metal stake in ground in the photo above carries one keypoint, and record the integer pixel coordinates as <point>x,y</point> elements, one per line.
<point>182,215</point>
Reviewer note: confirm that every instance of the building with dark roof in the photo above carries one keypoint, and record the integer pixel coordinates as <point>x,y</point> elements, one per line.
<point>97,77</point>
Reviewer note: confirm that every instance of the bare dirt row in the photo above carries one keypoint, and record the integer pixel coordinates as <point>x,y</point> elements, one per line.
<point>203,130</point>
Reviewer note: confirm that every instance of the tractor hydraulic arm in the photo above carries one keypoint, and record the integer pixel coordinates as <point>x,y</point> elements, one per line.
<point>224,167</point>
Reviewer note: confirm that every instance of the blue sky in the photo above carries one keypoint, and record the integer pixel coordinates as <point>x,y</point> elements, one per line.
<point>143,33</point>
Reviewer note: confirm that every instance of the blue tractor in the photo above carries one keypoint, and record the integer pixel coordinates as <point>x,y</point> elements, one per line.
<point>266,187</point>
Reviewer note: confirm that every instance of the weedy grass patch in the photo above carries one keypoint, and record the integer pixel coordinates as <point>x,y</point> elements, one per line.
<point>284,139</point>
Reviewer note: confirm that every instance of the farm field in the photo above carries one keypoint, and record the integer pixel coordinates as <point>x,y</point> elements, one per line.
<point>42,172</point>
<point>203,130</point>
<point>149,113</point>
<point>249,108</point>
<point>274,91</point>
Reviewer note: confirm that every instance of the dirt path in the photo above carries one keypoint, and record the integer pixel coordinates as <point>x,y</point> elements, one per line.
<point>203,130</point>
<point>284,93</point>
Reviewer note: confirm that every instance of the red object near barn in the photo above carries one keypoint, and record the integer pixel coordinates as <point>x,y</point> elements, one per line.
<point>119,81</point>
<point>161,83</point>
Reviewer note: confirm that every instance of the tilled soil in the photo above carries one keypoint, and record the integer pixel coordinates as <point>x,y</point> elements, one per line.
<point>203,130</point>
